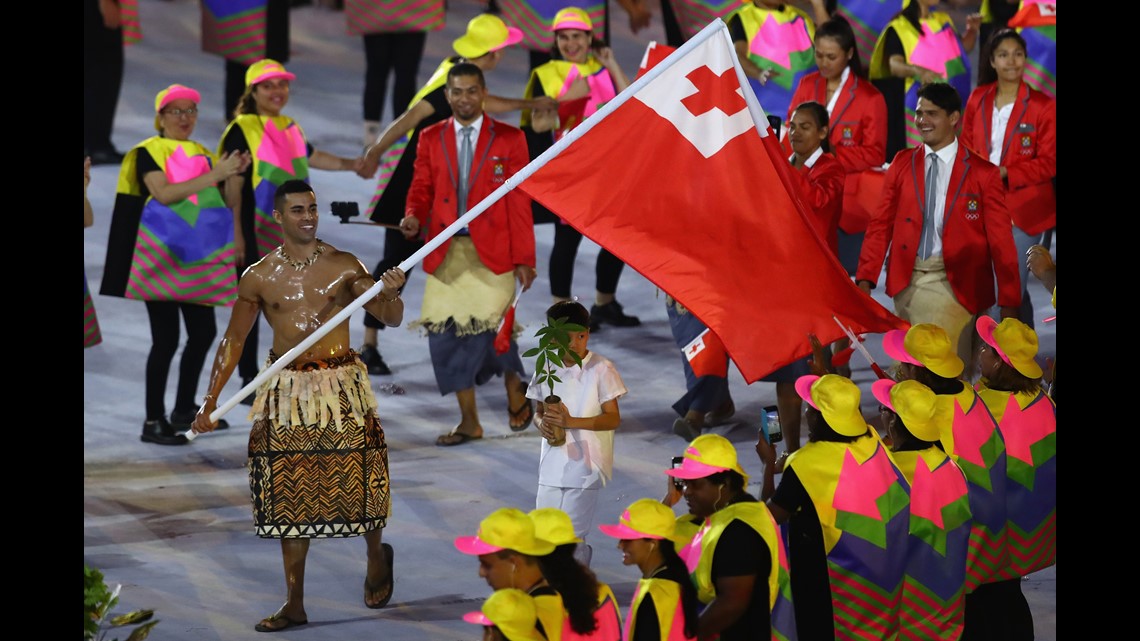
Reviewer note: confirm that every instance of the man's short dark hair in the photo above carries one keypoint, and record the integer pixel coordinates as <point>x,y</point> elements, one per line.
<point>289,187</point>
<point>942,95</point>
<point>466,69</point>
<point>572,311</point>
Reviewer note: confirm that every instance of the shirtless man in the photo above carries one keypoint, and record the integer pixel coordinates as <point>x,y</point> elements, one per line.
<point>337,445</point>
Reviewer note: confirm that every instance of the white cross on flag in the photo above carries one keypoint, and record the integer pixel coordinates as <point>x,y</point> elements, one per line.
<point>674,178</point>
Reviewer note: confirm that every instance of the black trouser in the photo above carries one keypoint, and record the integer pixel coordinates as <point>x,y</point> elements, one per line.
<point>607,271</point>
<point>998,612</point>
<point>102,78</point>
<point>397,248</point>
<point>391,53</point>
<point>201,329</point>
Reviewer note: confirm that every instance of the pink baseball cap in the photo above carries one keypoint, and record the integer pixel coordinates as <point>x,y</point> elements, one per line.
<point>643,519</point>
<point>175,92</point>
<point>512,611</point>
<point>706,455</point>
<point>266,69</point>
<point>506,528</point>
<point>572,18</point>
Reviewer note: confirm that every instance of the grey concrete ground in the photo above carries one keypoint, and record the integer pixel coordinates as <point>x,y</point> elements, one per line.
<point>173,524</point>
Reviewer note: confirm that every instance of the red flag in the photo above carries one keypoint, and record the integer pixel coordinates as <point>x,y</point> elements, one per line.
<point>706,355</point>
<point>675,179</point>
<point>507,326</point>
<point>655,52</point>
<point>1035,14</point>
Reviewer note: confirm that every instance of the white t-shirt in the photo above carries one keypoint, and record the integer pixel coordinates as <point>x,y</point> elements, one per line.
<point>586,460</point>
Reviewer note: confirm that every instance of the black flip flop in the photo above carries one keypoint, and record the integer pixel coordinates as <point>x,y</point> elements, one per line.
<point>289,623</point>
<point>391,583</point>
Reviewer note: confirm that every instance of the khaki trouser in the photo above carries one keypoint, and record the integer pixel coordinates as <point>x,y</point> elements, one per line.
<point>929,299</point>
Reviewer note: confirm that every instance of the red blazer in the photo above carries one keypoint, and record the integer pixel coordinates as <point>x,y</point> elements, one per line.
<point>1029,152</point>
<point>503,234</point>
<point>858,134</point>
<point>821,189</point>
<point>977,234</point>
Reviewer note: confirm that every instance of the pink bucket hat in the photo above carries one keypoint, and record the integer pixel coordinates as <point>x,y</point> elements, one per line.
<point>266,69</point>
<point>837,398</point>
<point>643,519</point>
<point>512,611</point>
<point>1014,341</point>
<point>506,528</point>
<point>924,413</point>
<point>572,18</point>
<point>706,455</point>
<point>169,95</point>
<point>926,345</point>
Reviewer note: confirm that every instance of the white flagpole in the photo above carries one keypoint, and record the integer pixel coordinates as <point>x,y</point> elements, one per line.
<point>510,183</point>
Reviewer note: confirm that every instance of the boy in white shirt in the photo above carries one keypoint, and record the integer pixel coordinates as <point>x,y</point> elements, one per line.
<point>570,475</point>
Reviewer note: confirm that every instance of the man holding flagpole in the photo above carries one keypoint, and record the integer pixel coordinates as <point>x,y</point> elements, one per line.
<point>471,275</point>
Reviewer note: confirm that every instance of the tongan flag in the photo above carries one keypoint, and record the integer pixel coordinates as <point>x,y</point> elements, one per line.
<point>674,177</point>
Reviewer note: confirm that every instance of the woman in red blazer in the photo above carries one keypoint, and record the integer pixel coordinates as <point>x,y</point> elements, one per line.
<point>819,176</point>
<point>858,116</point>
<point>1015,127</point>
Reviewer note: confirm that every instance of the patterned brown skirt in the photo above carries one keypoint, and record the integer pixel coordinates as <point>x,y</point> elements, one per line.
<point>318,463</point>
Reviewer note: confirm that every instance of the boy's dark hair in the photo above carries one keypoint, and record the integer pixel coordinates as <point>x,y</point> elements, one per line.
<point>572,311</point>
<point>466,69</point>
<point>943,96</point>
<point>289,187</point>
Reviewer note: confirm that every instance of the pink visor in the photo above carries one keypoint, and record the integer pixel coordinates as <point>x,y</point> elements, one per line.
<point>571,23</point>
<point>623,531</point>
<point>894,344</point>
<point>475,546</point>
<point>691,469</point>
<point>882,391</point>
<point>986,327</point>
<point>478,618</point>
<point>803,388</point>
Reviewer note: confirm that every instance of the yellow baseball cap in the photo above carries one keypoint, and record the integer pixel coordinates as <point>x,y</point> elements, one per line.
<point>1014,341</point>
<point>572,18</point>
<point>554,525</point>
<point>706,455</point>
<point>486,32</point>
<point>266,69</point>
<point>837,398</point>
<point>924,413</point>
<point>169,95</point>
<point>926,345</point>
<point>506,528</point>
<point>644,519</point>
<point>512,611</point>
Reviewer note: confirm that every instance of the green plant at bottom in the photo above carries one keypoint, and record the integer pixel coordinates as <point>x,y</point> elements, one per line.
<point>98,600</point>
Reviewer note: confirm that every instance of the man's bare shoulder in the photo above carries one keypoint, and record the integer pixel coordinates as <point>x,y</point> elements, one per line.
<point>341,258</point>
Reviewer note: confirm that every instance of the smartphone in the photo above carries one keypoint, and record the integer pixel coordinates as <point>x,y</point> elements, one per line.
<point>678,461</point>
<point>770,424</point>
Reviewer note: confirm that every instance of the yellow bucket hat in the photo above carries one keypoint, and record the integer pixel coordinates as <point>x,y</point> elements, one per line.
<point>645,519</point>
<point>926,345</point>
<point>837,398</point>
<point>512,611</point>
<point>266,69</point>
<point>1014,341</point>
<point>486,32</point>
<point>506,528</point>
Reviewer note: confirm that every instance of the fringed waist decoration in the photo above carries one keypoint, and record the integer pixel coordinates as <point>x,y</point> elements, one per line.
<point>310,393</point>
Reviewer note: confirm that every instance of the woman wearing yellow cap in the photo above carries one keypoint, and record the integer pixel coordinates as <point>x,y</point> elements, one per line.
<point>665,605</point>
<point>1011,388</point>
<point>736,556</point>
<point>940,519</point>
<point>847,509</point>
<point>508,615</point>
<point>172,245</point>
<point>583,75</point>
<point>280,152</point>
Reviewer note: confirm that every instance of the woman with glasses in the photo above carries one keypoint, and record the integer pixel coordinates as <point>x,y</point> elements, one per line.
<point>171,245</point>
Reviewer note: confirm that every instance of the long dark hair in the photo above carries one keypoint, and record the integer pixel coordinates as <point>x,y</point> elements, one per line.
<point>819,430</point>
<point>1008,379</point>
<point>577,584</point>
<point>839,29</point>
<point>986,71</point>
<point>938,384</point>
<point>689,601</point>
<point>913,14</point>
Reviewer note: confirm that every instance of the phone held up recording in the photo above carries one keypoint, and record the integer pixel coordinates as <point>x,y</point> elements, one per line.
<point>770,424</point>
<point>678,461</point>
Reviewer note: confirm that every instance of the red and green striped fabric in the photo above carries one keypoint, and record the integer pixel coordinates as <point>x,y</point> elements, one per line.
<point>391,16</point>
<point>535,18</point>
<point>235,29</point>
<point>1041,59</point>
<point>91,334</point>
<point>694,15</point>
<point>129,16</point>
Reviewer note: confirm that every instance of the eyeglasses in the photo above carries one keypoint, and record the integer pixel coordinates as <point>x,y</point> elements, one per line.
<point>178,113</point>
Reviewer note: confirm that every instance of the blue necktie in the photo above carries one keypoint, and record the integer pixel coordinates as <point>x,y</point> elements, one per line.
<point>465,153</point>
<point>926,247</point>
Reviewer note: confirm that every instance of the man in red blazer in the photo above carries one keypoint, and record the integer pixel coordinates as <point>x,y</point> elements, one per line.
<point>945,250</point>
<point>471,275</point>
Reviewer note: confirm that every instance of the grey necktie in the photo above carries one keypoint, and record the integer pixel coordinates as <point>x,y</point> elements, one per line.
<point>465,153</point>
<point>926,247</point>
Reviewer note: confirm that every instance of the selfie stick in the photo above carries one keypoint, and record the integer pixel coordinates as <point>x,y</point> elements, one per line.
<point>862,350</point>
